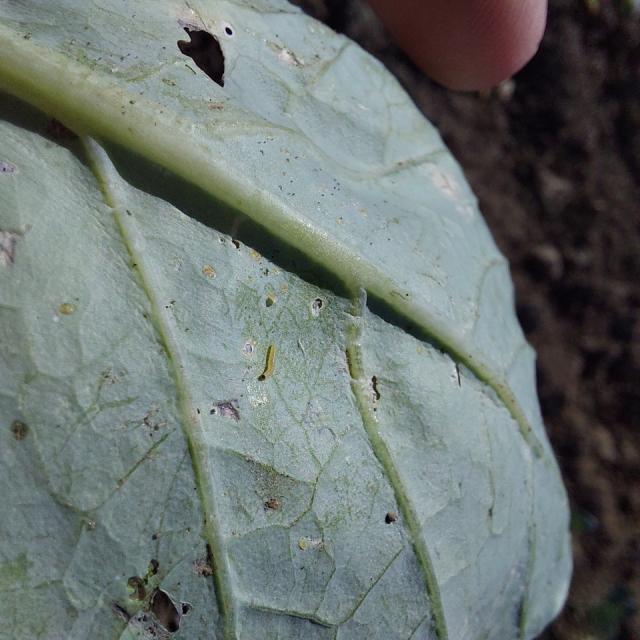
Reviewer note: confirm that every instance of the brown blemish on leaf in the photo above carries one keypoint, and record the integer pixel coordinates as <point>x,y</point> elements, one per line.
<point>374,386</point>
<point>391,517</point>
<point>120,612</point>
<point>208,271</point>
<point>19,430</point>
<point>138,590</point>
<point>203,568</point>
<point>226,409</point>
<point>144,625</point>
<point>272,504</point>
<point>151,422</point>
<point>154,565</point>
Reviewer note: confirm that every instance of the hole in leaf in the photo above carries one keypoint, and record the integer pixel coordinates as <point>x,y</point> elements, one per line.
<point>316,306</point>
<point>205,50</point>
<point>186,607</point>
<point>374,386</point>
<point>228,29</point>
<point>391,517</point>
<point>165,611</point>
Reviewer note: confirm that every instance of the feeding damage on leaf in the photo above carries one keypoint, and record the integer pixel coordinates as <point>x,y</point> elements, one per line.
<point>8,242</point>
<point>227,409</point>
<point>7,167</point>
<point>173,301</point>
<point>205,50</point>
<point>19,430</point>
<point>160,614</point>
<point>165,610</point>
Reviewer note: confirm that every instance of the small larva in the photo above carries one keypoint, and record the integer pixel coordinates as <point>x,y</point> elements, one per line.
<point>271,358</point>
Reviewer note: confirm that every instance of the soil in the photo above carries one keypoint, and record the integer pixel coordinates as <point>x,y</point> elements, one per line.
<point>554,158</point>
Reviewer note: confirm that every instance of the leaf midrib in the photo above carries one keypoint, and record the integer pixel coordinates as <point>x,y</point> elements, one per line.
<point>92,104</point>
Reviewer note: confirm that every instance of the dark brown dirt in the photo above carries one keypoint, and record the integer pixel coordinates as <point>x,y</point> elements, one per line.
<point>556,167</point>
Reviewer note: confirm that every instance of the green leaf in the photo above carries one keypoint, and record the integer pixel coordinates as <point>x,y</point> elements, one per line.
<point>260,371</point>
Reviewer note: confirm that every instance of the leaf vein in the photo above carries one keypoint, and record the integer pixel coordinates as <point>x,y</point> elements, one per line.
<point>382,453</point>
<point>110,181</point>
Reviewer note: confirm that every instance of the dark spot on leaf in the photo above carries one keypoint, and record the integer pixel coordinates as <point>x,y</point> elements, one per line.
<point>316,306</point>
<point>150,419</point>
<point>391,517</point>
<point>272,503</point>
<point>186,607</point>
<point>374,386</point>
<point>203,568</point>
<point>235,243</point>
<point>153,567</point>
<point>270,300</point>
<point>226,409</point>
<point>165,611</point>
<point>19,430</point>
<point>120,612</point>
<point>7,167</point>
<point>138,590</point>
<point>205,50</point>
<point>228,30</point>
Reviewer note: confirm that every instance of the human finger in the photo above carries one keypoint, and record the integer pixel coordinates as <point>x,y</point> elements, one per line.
<point>466,44</point>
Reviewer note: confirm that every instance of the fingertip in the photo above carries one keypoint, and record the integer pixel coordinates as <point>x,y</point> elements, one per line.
<point>466,44</point>
<point>507,40</point>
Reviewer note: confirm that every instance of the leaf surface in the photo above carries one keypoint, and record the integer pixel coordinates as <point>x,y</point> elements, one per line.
<point>261,344</point>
